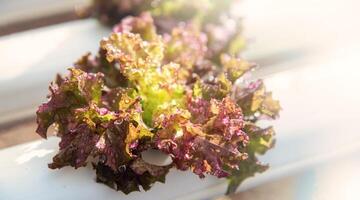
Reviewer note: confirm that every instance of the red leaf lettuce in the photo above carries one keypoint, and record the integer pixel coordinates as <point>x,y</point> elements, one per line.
<point>148,91</point>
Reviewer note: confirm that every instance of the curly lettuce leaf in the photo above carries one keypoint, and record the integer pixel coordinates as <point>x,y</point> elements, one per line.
<point>142,25</point>
<point>186,45</point>
<point>261,140</point>
<point>94,64</point>
<point>93,126</point>
<point>256,102</point>
<point>205,144</point>
<point>234,67</point>
<point>130,178</point>
<point>79,89</point>
<point>141,62</point>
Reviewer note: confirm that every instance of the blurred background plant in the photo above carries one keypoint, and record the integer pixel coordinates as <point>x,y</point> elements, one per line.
<point>217,18</point>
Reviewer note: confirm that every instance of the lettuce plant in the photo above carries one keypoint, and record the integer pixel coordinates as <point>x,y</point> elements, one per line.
<point>215,18</point>
<point>145,90</point>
